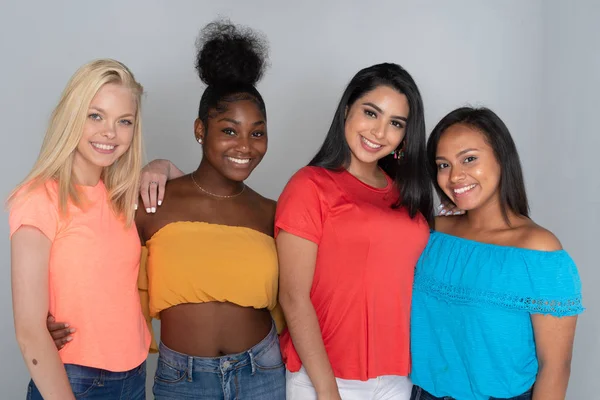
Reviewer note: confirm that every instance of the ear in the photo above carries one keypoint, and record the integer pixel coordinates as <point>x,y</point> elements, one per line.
<point>199,130</point>
<point>346,112</point>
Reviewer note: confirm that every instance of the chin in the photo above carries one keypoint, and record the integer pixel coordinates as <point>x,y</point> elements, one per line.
<point>367,158</point>
<point>237,175</point>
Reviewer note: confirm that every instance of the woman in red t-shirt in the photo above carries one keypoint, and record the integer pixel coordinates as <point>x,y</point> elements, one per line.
<point>350,228</point>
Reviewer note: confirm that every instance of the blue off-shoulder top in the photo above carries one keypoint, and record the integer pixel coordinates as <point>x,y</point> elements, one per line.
<point>471,330</point>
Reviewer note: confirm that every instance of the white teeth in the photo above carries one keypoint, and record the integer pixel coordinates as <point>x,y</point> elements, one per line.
<point>239,160</point>
<point>103,146</point>
<point>370,144</point>
<point>464,189</point>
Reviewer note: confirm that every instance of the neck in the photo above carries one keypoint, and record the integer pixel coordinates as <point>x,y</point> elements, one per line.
<point>367,173</point>
<point>488,217</point>
<point>86,175</point>
<point>214,182</point>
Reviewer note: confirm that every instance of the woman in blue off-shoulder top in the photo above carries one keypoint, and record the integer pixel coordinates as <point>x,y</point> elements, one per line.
<point>496,298</point>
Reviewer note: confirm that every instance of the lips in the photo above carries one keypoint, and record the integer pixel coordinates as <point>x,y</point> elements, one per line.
<point>103,148</point>
<point>239,162</point>
<point>370,145</point>
<point>463,189</point>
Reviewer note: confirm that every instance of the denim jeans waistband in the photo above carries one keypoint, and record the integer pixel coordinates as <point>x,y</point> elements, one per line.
<point>217,364</point>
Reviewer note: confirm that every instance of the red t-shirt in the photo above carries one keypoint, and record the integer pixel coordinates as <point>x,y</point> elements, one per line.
<point>362,285</point>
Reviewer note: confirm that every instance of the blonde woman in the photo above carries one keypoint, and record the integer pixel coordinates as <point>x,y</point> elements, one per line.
<point>75,250</point>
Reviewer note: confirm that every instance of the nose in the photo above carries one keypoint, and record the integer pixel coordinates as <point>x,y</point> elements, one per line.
<point>110,131</point>
<point>456,175</point>
<point>378,129</point>
<point>243,144</point>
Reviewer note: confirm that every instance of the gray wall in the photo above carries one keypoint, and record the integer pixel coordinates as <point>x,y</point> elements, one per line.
<point>566,187</point>
<point>526,60</point>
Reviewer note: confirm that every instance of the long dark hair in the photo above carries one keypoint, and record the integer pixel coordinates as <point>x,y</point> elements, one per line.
<point>230,60</point>
<point>513,196</point>
<point>409,172</point>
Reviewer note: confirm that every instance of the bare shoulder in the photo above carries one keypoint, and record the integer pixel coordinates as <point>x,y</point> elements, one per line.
<point>260,203</point>
<point>535,237</point>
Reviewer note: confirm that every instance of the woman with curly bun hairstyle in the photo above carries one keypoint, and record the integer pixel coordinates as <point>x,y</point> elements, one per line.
<point>209,266</point>
<point>212,272</point>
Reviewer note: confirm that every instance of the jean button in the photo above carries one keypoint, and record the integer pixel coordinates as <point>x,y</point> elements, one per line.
<point>226,364</point>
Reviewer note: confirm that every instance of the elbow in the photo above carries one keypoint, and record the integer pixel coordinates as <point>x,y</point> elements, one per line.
<point>291,301</point>
<point>28,334</point>
<point>558,369</point>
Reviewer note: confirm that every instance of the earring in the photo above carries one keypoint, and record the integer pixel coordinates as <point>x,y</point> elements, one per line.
<point>200,140</point>
<point>398,154</point>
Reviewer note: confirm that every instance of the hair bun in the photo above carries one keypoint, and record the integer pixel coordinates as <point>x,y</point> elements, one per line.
<point>230,54</point>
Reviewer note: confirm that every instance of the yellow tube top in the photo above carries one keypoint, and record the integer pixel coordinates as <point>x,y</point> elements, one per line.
<point>199,262</point>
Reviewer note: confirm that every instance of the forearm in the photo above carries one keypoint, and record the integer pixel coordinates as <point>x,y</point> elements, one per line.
<point>44,364</point>
<point>306,335</point>
<point>551,383</point>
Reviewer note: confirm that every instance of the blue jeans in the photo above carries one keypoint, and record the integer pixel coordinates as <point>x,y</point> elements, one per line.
<point>255,374</point>
<point>420,394</point>
<point>94,383</point>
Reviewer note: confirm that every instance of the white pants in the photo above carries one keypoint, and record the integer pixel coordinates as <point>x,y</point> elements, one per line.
<point>388,387</point>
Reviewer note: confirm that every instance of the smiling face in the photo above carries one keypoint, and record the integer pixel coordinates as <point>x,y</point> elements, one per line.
<point>236,140</point>
<point>468,171</point>
<point>107,132</point>
<point>376,124</point>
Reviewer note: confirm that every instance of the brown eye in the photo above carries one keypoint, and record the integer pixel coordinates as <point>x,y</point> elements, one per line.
<point>228,131</point>
<point>370,113</point>
<point>397,124</point>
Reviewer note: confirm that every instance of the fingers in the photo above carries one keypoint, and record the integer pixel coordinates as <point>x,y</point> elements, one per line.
<point>153,189</point>
<point>61,334</point>
<point>152,184</point>
<point>161,190</point>
<point>449,209</point>
<point>60,343</point>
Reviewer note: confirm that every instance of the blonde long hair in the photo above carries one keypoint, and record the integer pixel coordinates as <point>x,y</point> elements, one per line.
<point>65,130</point>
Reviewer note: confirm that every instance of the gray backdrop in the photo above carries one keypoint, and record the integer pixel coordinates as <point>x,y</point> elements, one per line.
<point>536,63</point>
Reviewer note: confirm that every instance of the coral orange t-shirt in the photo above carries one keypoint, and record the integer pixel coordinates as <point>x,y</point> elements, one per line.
<point>92,276</point>
<point>362,284</point>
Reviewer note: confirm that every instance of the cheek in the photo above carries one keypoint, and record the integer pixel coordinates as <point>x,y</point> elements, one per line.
<point>395,137</point>
<point>261,147</point>
<point>355,124</point>
<point>125,135</point>
<point>442,181</point>
<point>88,130</point>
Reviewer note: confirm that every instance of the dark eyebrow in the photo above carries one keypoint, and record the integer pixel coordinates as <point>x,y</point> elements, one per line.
<point>379,110</point>
<point>236,122</point>
<point>460,153</point>
<point>233,121</point>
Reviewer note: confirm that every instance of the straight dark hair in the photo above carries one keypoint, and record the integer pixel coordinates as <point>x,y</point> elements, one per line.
<point>513,196</point>
<point>409,172</point>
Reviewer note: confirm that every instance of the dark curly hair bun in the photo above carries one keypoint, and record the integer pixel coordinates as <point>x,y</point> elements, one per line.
<point>230,54</point>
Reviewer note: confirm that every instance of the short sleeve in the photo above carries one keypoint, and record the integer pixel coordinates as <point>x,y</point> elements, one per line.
<point>300,208</point>
<point>555,284</point>
<point>35,208</point>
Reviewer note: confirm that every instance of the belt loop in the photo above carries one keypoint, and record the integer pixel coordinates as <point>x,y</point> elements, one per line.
<point>101,378</point>
<point>252,362</point>
<point>190,369</point>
